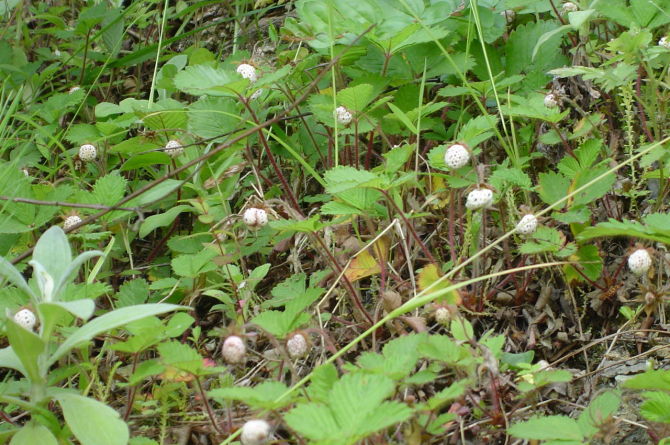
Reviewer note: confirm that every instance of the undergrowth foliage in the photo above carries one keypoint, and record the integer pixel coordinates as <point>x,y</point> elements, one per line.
<point>370,221</point>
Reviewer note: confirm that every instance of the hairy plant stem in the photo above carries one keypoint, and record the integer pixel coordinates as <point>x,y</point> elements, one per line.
<point>273,161</point>
<point>208,407</point>
<point>410,228</point>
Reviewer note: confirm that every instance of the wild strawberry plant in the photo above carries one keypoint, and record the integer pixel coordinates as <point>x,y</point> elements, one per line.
<point>392,220</point>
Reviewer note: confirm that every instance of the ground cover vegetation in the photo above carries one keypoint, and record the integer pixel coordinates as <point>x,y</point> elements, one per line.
<point>334,222</point>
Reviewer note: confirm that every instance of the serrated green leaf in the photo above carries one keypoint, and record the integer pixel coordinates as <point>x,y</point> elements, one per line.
<point>204,79</point>
<point>342,178</point>
<point>656,406</point>
<point>552,187</point>
<point>193,265</point>
<point>598,413</point>
<point>262,396</point>
<point>545,239</point>
<point>547,428</point>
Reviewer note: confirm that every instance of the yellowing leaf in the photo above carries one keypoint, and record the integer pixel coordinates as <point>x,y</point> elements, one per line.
<point>367,263</point>
<point>429,275</point>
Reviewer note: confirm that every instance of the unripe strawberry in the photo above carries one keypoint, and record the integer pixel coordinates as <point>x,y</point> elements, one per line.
<point>479,199</point>
<point>551,100</point>
<point>71,221</point>
<point>527,225</point>
<point>248,72</point>
<point>173,148</point>
<point>255,218</point>
<point>296,345</point>
<point>509,15</point>
<point>569,7</point>
<point>664,42</point>
<point>256,94</point>
<point>234,350</point>
<point>26,319</point>
<point>74,89</point>
<point>255,432</point>
<point>442,315</point>
<point>343,115</point>
<point>88,152</point>
<point>639,262</point>
<point>456,156</point>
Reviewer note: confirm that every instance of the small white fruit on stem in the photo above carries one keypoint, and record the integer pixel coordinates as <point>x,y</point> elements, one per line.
<point>234,350</point>
<point>527,225</point>
<point>456,156</point>
<point>71,221</point>
<point>173,148</point>
<point>551,100</point>
<point>255,218</point>
<point>248,72</point>
<point>88,152</point>
<point>479,198</point>
<point>343,115</point>
<point>26,319</point>
<point>639,261</point>
<point>296,345</point>
<point>255,432</point>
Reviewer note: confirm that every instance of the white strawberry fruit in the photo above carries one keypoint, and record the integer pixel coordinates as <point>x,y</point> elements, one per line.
<point>527,225</point>
<point>639,262</point>
<point>71,221</point>
<point>479,199</point>
<point>255,432</point>
<point>173,148</point>
<point>88,152</point>
<point>343,115</point>
<point>456,156</point>
<point>248,72</point>
<point>233,349</point>
<point>296,346</point>
<point>26,319</point>
<point>255,218</point>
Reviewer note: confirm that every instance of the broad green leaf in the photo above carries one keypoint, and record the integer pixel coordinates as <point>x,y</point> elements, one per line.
<point>33,433</point>
<point>9,272</point>
<point>547,428</point>
<point>92,422</point>
<point>311,224</point>
<point>356,98</point>
<point>204,79</point>
<point>315,421</point>
<point>181,356</point>
<point>545,239</point>
<point>342,178</point>
<point>9,359</point>
<point>162,219</point>
<point>552,187</point>
<point>654,379</point>
<point>213,116</point>
<point>193,265</point>
<point>110,320</point>
<point>597,415</point>
<point>477,130</point>
<point>262,396</point>
<point>132,292</point>
<point>402,117</point>
<point>53,252</point>
<point>73,268</point>
<point>656,406</point>
<point>156,193</point>
<point>27,346</point>
<point>109,189</point>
